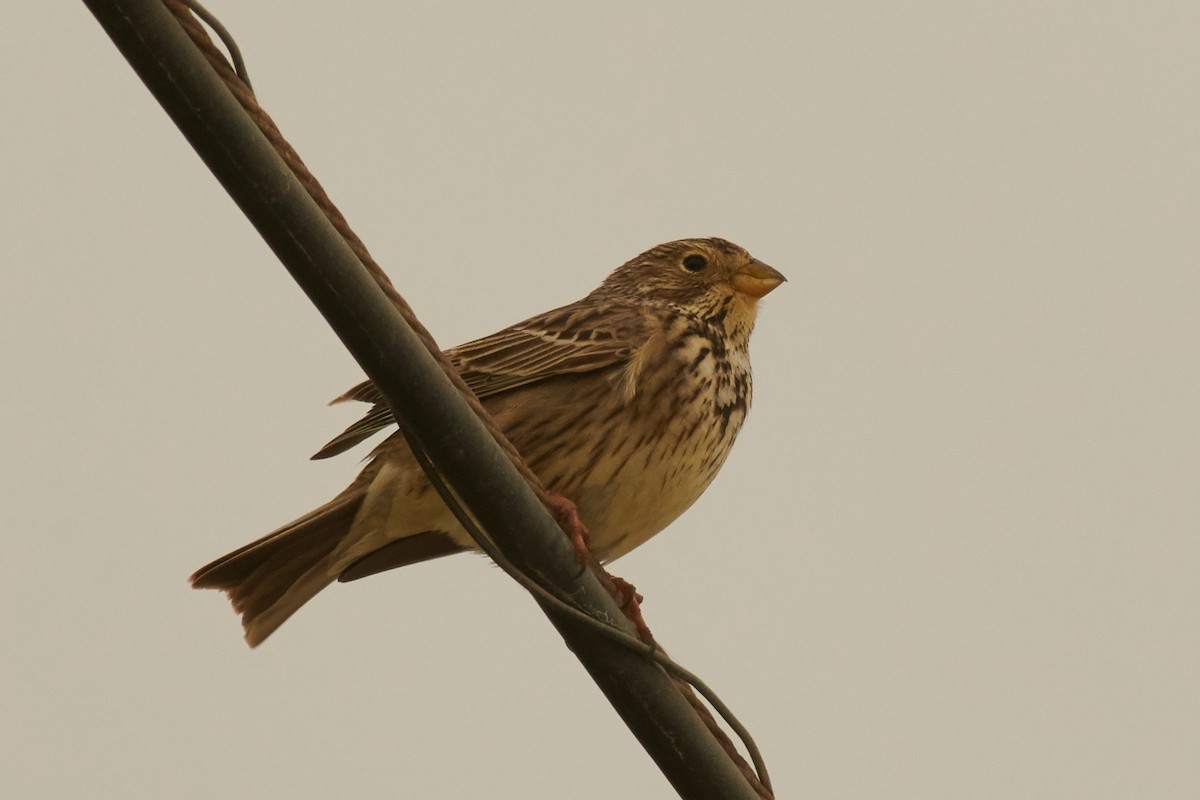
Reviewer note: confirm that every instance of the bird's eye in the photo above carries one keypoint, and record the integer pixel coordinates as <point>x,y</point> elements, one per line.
<point>694,262</point>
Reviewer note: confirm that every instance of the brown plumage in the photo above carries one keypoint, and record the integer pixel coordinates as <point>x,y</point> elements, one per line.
<point>625,402</point>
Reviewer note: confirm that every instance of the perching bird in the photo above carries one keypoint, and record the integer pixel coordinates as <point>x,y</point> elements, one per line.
<point>625,402</point>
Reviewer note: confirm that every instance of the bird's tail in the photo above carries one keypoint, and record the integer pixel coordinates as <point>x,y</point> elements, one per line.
<point>270,579</point>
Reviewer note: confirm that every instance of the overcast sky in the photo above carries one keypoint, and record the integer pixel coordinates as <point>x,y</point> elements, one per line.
<point>953,555</point>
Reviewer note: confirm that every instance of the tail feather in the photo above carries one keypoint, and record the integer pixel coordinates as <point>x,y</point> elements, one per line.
<point>269,580</point>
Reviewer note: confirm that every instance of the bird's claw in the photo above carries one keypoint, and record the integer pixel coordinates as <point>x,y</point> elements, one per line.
<point>566,514</point>
<point>630,601</point>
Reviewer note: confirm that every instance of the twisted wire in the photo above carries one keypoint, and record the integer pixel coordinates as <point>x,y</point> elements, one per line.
<point>237,80</point>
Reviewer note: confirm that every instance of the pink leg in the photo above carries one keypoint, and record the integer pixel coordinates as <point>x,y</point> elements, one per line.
<point>567,515</point>
<point>631,604</point>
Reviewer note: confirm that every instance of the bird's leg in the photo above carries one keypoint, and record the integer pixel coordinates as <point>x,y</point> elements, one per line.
<point>566,514</point>
<point>631,603</point>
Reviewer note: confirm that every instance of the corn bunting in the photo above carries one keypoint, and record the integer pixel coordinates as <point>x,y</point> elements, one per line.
<point>626,402</point>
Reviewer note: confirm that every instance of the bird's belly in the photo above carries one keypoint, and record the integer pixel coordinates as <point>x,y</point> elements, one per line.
<point>642,496</point>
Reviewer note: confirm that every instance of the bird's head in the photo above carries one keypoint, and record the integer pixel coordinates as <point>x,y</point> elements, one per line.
<point>702,275</point>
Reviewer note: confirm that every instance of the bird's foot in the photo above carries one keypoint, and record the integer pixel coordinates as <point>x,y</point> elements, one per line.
<point>631,603</point>
<point>566,514</point>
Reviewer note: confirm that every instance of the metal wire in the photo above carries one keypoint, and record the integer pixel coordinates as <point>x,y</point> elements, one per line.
<point>235,52</point>
<point>605,629</point>
<point>245,95</point>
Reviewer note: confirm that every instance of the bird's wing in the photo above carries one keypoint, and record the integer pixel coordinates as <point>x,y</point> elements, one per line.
<point>573,339</point>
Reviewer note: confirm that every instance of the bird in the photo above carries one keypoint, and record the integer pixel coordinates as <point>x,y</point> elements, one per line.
<point>625,402</point>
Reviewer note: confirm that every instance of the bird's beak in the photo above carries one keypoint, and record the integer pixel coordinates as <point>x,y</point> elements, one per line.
<point>756,279</point>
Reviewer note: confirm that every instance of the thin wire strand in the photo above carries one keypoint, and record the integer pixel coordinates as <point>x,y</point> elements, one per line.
<point>235,52</point>
<point>237,80</point>
<point>609,631</point>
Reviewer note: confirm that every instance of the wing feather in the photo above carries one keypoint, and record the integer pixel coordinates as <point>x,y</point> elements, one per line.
<point>574,339</point>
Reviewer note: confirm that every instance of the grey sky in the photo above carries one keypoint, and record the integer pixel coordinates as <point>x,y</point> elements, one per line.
<point>953,555</point>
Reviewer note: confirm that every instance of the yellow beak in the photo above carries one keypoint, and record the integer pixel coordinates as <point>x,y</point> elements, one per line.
<point>756,279</point>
